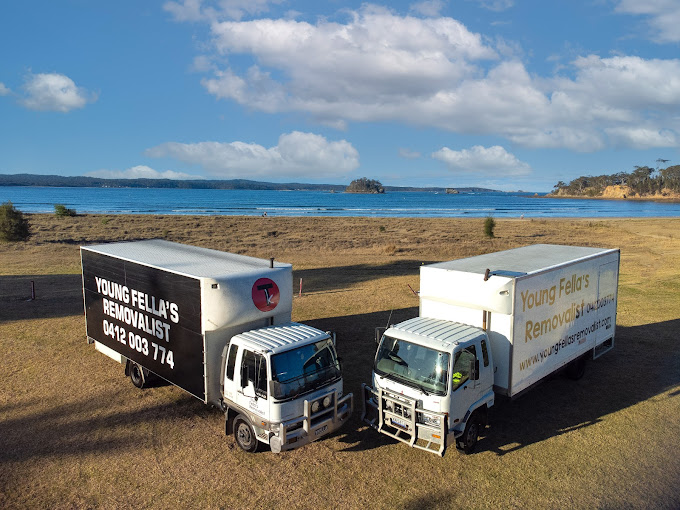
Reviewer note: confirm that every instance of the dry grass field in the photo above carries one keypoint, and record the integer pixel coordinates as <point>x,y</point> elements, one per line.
<point>75,433</point>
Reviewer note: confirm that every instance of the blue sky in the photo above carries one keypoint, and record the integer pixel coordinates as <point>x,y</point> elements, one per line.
<point>504,94</point>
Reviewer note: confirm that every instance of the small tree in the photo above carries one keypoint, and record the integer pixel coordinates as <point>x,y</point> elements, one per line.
<point>489,225</point>
<point>62,210</point>
<point>13,225</point>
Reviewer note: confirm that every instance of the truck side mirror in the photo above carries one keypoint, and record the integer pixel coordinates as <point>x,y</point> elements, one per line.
<point>333,336</point>
<point>378,333</point>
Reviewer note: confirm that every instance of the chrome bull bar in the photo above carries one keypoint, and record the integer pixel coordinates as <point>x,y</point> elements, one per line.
<point>397,416</point>
<point>315,425</point>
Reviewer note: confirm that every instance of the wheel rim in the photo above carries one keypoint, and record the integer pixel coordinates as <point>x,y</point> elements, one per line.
<point>244,435</point>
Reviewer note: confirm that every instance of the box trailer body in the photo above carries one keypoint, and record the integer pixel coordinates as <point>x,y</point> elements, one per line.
<point>173,310</point>
<point>520,314</point>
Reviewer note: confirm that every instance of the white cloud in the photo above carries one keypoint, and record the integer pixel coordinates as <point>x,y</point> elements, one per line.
<point>54,92</point>
<point>141,172</point>
<point>4,90</point>
<point>491,161</point>
<point>434,72</point>
<point>298,154</point>
<point>663,17</point>
<point>378,62</point>
<point>642,138</point>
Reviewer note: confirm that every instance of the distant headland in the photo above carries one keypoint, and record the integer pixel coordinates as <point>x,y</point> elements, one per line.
<point>98,182</point>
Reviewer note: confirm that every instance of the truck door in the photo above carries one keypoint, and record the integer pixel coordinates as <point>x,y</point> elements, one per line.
<point>229,391</point>
<point>465,389</point>
<point>251,392</point>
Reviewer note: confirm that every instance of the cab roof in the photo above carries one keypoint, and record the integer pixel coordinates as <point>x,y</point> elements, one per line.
<point>435,333</point>
<point>281,338</point>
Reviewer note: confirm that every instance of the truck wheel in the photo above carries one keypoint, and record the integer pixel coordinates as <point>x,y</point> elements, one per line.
<point>577,368</point>
<point>244,434</point>
<point>468,440</point>
<point>136,374</point>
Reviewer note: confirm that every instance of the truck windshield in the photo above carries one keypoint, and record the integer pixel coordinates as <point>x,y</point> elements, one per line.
<point>304,369</point>
<point>414,365</point>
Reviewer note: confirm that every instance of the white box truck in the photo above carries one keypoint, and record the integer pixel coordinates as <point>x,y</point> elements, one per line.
<point>217,325</point>
<point>494,323</point>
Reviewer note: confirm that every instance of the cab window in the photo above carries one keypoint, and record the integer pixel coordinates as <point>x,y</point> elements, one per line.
<point>485,353</point>
<point>231,362</point>
<point>461,367</point>
<point>254,369</point>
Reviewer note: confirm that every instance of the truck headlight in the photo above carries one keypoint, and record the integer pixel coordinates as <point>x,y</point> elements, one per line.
<point>327,401</point>
<point>315,406</point>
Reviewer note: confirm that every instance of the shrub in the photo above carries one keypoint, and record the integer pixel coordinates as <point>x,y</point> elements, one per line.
<point>489,225</point>
<point>62,210</point>
<point>13,225</point>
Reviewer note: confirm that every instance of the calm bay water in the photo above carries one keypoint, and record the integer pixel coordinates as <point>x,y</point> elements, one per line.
<point>320,203</point>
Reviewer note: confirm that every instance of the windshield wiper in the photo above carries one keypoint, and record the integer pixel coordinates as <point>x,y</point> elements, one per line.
<point>405,380</point>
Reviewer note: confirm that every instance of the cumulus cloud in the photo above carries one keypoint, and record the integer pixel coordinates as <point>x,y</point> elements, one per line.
<point>378,61</point>
<point>663,17</point>
<point>54,92</point>
<point>490,161</point>
<point>298,154</point>
<point>4,90</point>
<point>141,172</point>
<point>434,72</point>
<point>642,138</point>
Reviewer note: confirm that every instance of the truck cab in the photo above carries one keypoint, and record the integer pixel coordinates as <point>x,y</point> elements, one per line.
<point>432,384</point>
<point>282,386</point>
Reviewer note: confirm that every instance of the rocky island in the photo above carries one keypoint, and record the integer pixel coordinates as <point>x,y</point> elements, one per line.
<point>365,185</point>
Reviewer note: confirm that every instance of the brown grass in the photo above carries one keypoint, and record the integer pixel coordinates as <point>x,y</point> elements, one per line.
<point>74,433</point>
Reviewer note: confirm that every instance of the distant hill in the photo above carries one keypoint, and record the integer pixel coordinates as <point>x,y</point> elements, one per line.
<point>96,182</point>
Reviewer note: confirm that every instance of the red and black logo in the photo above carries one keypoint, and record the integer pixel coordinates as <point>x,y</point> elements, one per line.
<point>265,294</point>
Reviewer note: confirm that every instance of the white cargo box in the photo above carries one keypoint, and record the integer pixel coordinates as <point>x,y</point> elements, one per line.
<point>545,306</point>
<point>172,308</point>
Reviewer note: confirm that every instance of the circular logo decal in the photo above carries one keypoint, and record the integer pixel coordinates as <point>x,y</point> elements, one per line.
<point>265,294</point>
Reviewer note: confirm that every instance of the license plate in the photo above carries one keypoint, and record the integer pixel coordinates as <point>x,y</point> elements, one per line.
<point>321,430</point>
<point>399,423</point>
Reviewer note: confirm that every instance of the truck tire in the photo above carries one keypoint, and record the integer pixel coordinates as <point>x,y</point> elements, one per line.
<point>244,434</point>
<point>576,368</point>
<point>467,442</point>
<point>136,374</point>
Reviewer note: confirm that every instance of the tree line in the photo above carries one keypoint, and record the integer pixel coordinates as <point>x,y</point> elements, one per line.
<point>644,180</point>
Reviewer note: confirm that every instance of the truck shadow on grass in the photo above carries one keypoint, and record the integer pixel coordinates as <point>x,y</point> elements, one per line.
<point>40,296</point>
<point>557,406</point>
<point>82,427</point>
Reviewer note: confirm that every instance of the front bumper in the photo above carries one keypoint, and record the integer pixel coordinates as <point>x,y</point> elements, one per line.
<point>317,422</point>
<point>396,415</point>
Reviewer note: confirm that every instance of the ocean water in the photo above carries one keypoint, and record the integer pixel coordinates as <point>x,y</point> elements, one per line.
<point>321,203</point>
